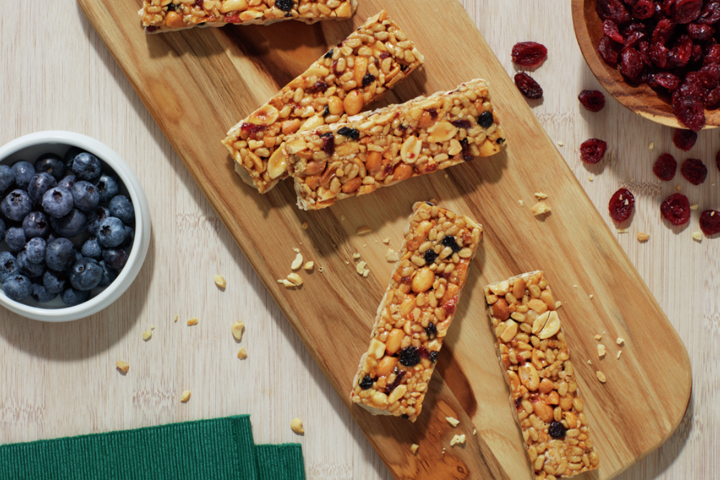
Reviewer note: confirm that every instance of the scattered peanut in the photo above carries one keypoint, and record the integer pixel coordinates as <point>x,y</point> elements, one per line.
<point>618,354</point>
<point>364,230</point>
<point>147,335</point>
<point>304,226</point>
<point>122,366</point>
<point>651,146</point>
<point>237,330</point>
<point>297,426</point>
<point>541,195</point>
<point>185,396</point>
<point>598,337</point>
<point>220,281</point>
<point>297,263</point>
<point>392,256</point>
<point>192,321</point>
<point>521,203</point>
<point>540,208</point>
<point>360,267</point>
<point>601,376</point>
<point>457,440</point>
<point>697,236</point>
<point>295,279</point>
<point>694,206</point>
<point>591,177</point>
<point>414,448</point>
<point>308,266</point>
<point>453,421</point>
<point>620,341</point>
<point>386,241</point>
<point>643,237</point>
<point>601,350</point>
<point>176,318</point>
<point>242,354</point>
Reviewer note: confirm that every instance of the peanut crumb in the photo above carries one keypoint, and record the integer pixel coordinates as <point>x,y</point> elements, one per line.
<point>287,283</point>
<point>618,354</point>
<point>304,226</point>
<point>360,267</point>
<point>623,230</point>
<point>591,296</point>
<point>694,206</point>
<point>152,327</point>
<point>297,426</point>
<point>147,335</point>
<point>474,431</point>
<point>386,241</point>
<point>356,256</point>
<point>296,250</point>
<point>347,263</point>
<point>185,396</point>
<point>414,448</point>
<point>176,318</point>
<point>521,203</point>
<point>366,272</point>
<point>620,341</point>
<point>558,304</point>
<point>453,421</point>
<point>309,266</point>
<point>598,337</point>
<point>447,176</point>
<point>295,279</point>
<point>297,263</point>
<point>601,350</point>
<point>122,366</point>
<point>601,376</point>
<point>589,362</point>
<point>651,146</point>
<point>192,321</point>
<point>321,269</point>
<point>342,217</point>
<point>574,286</point>
<point>591,177</point>
<point>220,282</point>
<point>541,195</point>
<point>540,208</point>
<point>643,237</point>
<point>560,143</point>
<point>364,245</point>
<point>457,440</point>
<point>697,236</point>
<point>364,230</point>
<point>242,353</point>
<point>237,330</point>
<point>391,255</point>
<point>677,187</point>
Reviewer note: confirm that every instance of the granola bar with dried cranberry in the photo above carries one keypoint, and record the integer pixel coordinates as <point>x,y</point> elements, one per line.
<point>536,361</point>
<point>414,316</point>
<point>391,144</point>
<point>373,59</point>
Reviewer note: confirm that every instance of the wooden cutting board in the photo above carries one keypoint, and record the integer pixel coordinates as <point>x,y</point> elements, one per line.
<point>198,83</point>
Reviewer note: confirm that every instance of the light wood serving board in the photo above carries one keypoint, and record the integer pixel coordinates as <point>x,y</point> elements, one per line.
<point>198,83</point>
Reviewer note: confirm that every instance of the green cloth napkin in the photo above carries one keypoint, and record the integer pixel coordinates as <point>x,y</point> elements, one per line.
<point>218,449</point>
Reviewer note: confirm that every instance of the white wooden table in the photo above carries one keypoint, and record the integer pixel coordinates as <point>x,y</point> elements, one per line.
<point>60,379</point>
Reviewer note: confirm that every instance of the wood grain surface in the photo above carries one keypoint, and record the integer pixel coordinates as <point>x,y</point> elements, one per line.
<point>60,379</point>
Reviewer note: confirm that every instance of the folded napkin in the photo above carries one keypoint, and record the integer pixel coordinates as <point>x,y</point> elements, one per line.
<point>218,449</point>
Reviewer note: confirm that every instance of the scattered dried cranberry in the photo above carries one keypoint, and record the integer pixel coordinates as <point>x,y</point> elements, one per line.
<point>665,167</point>
<point>621,205</point>
<point>667,80</point>
<point>663,30</point>
<point>529,54</point>
<point>694,171</point>
<point>643,9</point>
<point>409,356</point>
<point>528,86</point>
<point>556,430</point>
<point>593,100</point>
<point>710,222</point>
<point>690,111</point>
<point>710,13</point>
<point>684,139</point>
<point>676,209</point>
<point>593,150</point>
<point>701,32</point>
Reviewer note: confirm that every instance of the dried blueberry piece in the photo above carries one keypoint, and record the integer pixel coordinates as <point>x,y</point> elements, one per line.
<point>171,7</point>
<point>329,54</point>
<point>399,375</point>
<point>368,79</point>
<point>465,124</point>
<point>409,356</point>
<point>284,5</point>
<point>449,241</point>
<point>434,356</point>
<point>350,133</point>
<point>556,430</point>
<point>326,112</point>
<point>366,382</point>
<point>430,256</point>
<point>431,331</point>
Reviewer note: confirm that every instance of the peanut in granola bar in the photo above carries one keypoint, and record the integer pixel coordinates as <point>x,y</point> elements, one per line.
<point>172,15</point>
<point>392,144</point>
<point>537,366</point>
<point>416,312</point>
<point>373,59</point>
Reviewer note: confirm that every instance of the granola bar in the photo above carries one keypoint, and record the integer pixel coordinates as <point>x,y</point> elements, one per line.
<point>537,365</point>
<point>416,312</point>
<point>373,59</point>
<point>392,144</point>
<point>172,15</point>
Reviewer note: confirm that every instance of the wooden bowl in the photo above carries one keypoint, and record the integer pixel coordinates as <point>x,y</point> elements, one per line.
<point>642,100</point>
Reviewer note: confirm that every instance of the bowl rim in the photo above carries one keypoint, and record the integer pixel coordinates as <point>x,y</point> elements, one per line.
<point>141,242</point>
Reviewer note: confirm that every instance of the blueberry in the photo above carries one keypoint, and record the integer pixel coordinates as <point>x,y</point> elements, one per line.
<point>430,256</point>
<point>85,196</point>
<point>129,237</point>
<point>8,266</point>
<point>24,171</point>
<point>40,183</point>
<point>115,258</point>
<point>111,232</point>
<point>28,268</point>
<point>94,219</point>
<point>60,255</point>
<point>35,224</point>
<point>109,275</point>
<point>58,202</point>
<point>72,224</point>
<point>54,282</point>
<point>15,239</point>
<point>2,228</point>
<point>485,120</point>
<point>78,256</point>
<point>42,294</point>
<point>72,297</point>
<point>86,166</point>
<point>16,205</point>
<point>70,156</point>
<point>36,249</point>
<point>17,287</point>
<point>51,237</point>
<point>121,207</point>
<point>556,430</point>
<point>52,164</point>
<point>7,177</point>
<point>91,248</point>
<point>67,181</point>
<point>366,382</point>
<point>85,274</point>
<point>409,356</point>
<point>107,187</point>
<point>449,241</point>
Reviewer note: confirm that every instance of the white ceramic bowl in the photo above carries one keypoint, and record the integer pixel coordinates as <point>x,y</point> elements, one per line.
<point>29,148</point>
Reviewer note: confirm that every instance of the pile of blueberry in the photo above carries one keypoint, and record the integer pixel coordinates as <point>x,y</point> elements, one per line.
<point>67,230</point>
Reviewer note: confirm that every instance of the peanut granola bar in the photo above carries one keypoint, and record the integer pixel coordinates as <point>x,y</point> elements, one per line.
<point>392,144</point>
<point>373,59</point>
<point>533,352</point>
<point>172,15</point>
<point>416,312</point>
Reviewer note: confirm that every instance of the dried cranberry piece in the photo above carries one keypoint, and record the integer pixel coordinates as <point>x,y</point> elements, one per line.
<point>252,129</point>
<point>643,9</point>
<point>384,55</point>
<point>593,150</point>
<point>644,49</point>
<point>592,100</point>
<point>328,143</point>
<point>685,11</point>
<point>697,31</point>
<point>684,139</point>
<point>708,76</point>
<point>232,19</point>
<point>621,205</point>
<point>611,31</point>
<point>680,53</point>
<point>466,154</point>
<point>663,31</point>
<point>710,13</point>
<point>450,305</point>
<point>631,64</point>
<point>528,86</point>
<point>399,375</point>
<point>712,99</point>
<point>665,167</point>
<point>692,86</point>
<point>689,110</point>
<point>712,56</point>
<point>694,171</point>
<point>659,55</point>
<point>676,209</point>
<point>608,50</point>
<point>667,80</point>
<point>424,353</point>
<point>612,10</point>
<point>319,87</point>
<point>696,54</point>
<point>462,124</point>
<point>529,54</point>
<point>633,39</point>
<point>199,3</point>
<point>710,222</point>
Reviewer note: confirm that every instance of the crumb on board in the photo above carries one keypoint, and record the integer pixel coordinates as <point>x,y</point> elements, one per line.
<point>623,230</point>
<point>356,256</point>
<point>591,177</point>
<point>694,206</point>
<point>601,376</point>
<point>589,362</point>
<point>296,250</point>
<point>122,366</point>
<point>643,237</point>
<point>296,426</point>
<point>185,396</point>
<point>386,241</point>
<point>620,341</point>
<point>286,283</point>
<point>598,337</point>
<point>342,217</point>
<point>242,354</point>
<point>618,354</point>
<point>220,281</point>
<point>453,421</point>
<point>521,203</point>
<point>237,330</point>
<point>391,255</point>
<point>601,350</point>
<point>192,321</point>
<point>308,266</point>
<point>474,431</point>
<point>360,267</point>
<point>560,143</point>
<point>363,230</point>
<point>414,448</point>
<point>591,296</point>
<point>321,269</point>
<point>697,236</point>
<point>457,440</point>
<point>176,318</point>
<point>541,208</point>
<point>152,327</point>
<point>297,263</point>
<point>541,195</point>
<point>677,187</point>
<point>304,226</point>
<point>147,335</point>
<point>295,279</point>
<point>558,304</point>
<point>651,146</point>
